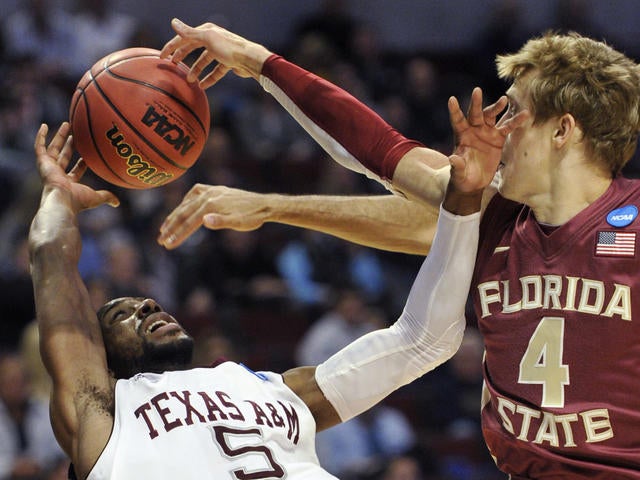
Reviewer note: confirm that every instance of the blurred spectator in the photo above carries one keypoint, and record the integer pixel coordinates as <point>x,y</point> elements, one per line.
<point>132,269</point>
<point>313,265</point>
<point>16,293</point>
<point>361,446</point>
<point>504,32</point>
<point>42,31</point>
<point>333,22</point>
<point>377,68</point>
<point>429,115</point>
<point>238,267</point>
<point>27,98</point>
<point>575,16</point>
<point>100,29</point>
<point>403,467</point>
<point>348,319</point>
<point>96,225</point>
<point>266,130</point>
<point>28,448</point>
<point>457,435</point>
<point>212,345</point>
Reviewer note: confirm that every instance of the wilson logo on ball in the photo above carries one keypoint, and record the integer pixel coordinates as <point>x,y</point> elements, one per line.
<point>137,167</point>
<point>169,132</point>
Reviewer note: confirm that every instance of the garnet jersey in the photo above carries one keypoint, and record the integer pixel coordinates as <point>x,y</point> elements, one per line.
<point>562,363</point>
<point>221,423</point>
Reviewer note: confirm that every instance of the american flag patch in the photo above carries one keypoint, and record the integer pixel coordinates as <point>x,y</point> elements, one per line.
<point>616,244</point>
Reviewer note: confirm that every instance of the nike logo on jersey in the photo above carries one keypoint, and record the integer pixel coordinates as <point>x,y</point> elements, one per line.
<point>500,249</point>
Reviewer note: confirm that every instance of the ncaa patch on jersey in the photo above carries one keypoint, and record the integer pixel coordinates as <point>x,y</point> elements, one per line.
<point>616,244</point>
<point>623,216</point>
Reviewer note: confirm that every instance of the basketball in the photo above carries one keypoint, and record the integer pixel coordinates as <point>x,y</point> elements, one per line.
<point>136,121</point>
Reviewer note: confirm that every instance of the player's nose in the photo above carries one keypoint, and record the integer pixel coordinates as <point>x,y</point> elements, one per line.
<point>147,307</point>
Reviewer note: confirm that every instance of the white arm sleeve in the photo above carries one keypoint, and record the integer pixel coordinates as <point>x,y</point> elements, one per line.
<point>428,332</point>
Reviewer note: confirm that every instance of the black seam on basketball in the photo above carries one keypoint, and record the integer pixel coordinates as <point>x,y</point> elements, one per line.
<point>152,86</point>
<point>135,130</point>
<point>92,136</point>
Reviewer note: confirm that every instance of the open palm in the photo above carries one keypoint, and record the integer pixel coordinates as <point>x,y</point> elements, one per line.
<point>53,160</point>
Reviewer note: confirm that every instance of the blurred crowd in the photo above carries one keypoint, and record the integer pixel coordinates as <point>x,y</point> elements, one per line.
<point>272,298</point>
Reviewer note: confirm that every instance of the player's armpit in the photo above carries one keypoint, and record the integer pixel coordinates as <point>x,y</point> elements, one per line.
<point>303,382</point>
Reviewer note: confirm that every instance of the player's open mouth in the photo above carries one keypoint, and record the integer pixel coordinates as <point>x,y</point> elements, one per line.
<point>159,321</point>
<point>156,325</point>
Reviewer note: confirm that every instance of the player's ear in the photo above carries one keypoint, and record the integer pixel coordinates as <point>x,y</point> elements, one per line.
<point>565,129</point>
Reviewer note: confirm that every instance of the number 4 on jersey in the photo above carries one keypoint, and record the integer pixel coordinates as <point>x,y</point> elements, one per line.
<point>542,362</point>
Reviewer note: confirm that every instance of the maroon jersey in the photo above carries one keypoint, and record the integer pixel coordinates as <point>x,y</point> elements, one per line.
<point>562,364</point>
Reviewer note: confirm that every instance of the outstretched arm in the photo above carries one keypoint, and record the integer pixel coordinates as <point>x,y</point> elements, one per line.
<point>431,326</point>
<point>428,332</point>
<point>70,337</point>
<point>354,135</point>
<point>387,222</point>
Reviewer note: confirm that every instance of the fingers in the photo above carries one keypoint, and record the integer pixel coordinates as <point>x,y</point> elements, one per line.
<point>58,142</point>
<point>456,116</point>
<point>492,111</point>
<point>65,154</point>
<point>181,223</point>
<point>457,165</point>
<point>182,51</point>
<point>177,232</point>
<point>476,115</point>
<point>199,65</point>
<point>78,170</point>
<point>174,48</point>
<point>218,72</point>
<point>514,122</point>
<point>105,197</point>
<point>41,139</point>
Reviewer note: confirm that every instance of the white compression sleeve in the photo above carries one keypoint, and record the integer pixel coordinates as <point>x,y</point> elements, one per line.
<point>427,334</point>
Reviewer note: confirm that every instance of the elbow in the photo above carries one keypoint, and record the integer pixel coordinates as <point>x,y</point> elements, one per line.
<point>431,351</point>
<point>453,344</point>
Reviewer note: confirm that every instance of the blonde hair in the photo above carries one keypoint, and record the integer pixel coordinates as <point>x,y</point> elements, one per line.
<point>596,84</point>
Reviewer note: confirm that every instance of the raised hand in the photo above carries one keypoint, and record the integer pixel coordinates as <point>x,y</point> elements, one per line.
<point>479,140</point>
<point>53,160</point>
<point>215,207</point>
<point>230,51</point>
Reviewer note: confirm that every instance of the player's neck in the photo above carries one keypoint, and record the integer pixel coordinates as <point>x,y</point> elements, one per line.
<point>568,196</point>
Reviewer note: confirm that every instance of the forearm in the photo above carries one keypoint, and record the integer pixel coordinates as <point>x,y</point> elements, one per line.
<point>353,134</point>
<point>385,222</point>
<point>60,295</point>
<point>428,332</point>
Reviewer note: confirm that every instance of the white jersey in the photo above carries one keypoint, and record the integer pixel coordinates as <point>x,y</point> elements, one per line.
<point>224,422</point>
